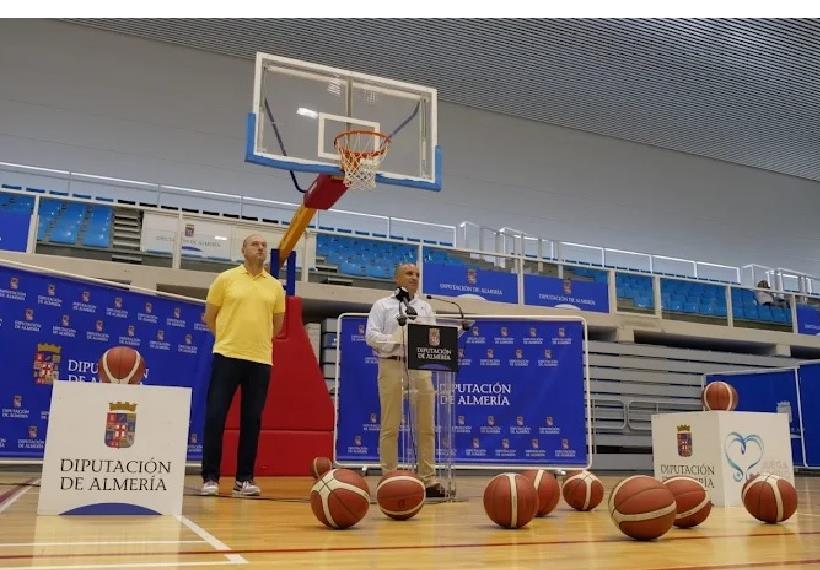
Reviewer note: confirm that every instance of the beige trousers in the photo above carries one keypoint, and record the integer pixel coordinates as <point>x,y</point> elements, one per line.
<point>390,397</point>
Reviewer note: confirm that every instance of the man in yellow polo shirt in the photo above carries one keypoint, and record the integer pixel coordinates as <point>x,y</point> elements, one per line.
<point>245,310</point>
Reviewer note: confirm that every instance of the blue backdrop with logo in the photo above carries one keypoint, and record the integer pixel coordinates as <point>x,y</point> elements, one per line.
<point>520,397</point>
<point>455,280</point>
<point>566,293</point>
<point>769,391</point>
<point>56,329</point>
<point>808,319</point>
<point>14,230</point>
<point>809,382</point>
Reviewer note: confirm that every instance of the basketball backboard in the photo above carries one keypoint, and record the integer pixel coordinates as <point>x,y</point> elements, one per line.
<point>310,104</point>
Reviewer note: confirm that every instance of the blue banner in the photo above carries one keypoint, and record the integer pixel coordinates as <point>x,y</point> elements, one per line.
<point>566,293</point>
<point>519,397</point>
<point>809,379</point>
<point>56,329</point>
<point>808,319</point>
<point>466,281</point>
<point>14,230</point>
<point>770,391</point>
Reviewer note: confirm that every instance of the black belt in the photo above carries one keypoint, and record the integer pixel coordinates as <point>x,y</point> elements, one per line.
<point>392,358</point>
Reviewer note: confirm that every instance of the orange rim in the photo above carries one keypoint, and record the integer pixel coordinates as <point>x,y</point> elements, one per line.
<point>359,155</point>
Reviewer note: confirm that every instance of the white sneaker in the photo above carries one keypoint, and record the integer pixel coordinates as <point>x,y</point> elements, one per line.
<point>209,488</point>
<point>246,489</point>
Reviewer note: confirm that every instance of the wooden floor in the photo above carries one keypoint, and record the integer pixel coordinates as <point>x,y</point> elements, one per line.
<point>279,531</point>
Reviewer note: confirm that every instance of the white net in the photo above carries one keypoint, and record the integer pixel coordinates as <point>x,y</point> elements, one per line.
<point>360,155</point>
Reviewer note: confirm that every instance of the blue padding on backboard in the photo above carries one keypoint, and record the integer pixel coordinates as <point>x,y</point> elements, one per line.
<point>329,169</point>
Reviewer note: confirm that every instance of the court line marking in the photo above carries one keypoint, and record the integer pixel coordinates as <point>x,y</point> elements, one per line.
<point>10,498</point>
<point>215,543</point>
<point>96,543</point>
<point>124,565</point>
<point>238,551</point>
<point>770,564</point>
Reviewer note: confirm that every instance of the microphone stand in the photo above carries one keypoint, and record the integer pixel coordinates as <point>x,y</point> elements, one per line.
<point>465,326</point>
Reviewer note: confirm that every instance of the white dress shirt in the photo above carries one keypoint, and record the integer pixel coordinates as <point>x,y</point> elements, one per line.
<point>382,324</point>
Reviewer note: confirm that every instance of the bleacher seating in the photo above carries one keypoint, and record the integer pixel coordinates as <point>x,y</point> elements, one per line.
<point>359,257</point>
<point>86,224</point>
<point>71,223</point>
<point>635,288</point>
<point>16,203</point>
<point>690,297</point>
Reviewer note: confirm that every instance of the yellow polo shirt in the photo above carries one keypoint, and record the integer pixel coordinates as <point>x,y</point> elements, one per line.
<point>244,323</point>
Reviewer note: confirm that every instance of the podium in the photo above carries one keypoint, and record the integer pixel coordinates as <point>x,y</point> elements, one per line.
<point>115,449</point>
<point>434,348</point>
<point>722,450</point>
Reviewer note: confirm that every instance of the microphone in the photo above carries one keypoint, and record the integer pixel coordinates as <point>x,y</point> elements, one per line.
<point>402,294</point>
<point>407,312</point>
<point>465,326</point>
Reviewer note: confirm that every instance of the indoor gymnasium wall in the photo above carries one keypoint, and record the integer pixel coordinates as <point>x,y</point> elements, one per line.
<point>93,101</point>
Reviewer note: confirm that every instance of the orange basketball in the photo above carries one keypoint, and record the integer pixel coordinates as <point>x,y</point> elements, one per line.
<point>746,484</point>
<point>400,495</point>
<point>121,365</point>
<point>340,498</point>
<point>642,507</point>
<point>510,500</point>
<point>583,491</point>
<point>319,466</point>
<point>547,487</point>
<point>719,396</point>
<point>770,498</point>
<point>691,501</point>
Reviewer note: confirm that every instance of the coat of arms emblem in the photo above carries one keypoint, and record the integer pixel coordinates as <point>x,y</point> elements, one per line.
<point>120,423</point>
<point>434,336</point>
<point>684,441</point>
<point>46,365</point>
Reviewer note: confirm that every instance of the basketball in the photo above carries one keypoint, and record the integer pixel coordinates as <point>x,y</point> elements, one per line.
<point>770,499</point>
<point>583,491</point>
<point>340,498</point>
<point>746,484</point>
<point>400,495</point>
<point>642,507</point>
<point>547,487</point>
<point>691,501</point>
<point>510,500</point>
<point>319,466</point>
<point>719,396</point>
<point>121,365</point>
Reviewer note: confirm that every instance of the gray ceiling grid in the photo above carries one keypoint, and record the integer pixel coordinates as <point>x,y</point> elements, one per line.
<point>743,91</point>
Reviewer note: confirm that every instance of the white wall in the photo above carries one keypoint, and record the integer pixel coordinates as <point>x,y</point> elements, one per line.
<point>92,101</point>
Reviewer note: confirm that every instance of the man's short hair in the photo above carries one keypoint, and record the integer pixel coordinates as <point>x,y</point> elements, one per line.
<point>400,265</point>
<point>249,236</point>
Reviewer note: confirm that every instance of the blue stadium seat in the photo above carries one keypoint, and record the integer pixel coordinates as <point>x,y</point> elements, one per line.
<point>96,239</point>
<point>64,235</point>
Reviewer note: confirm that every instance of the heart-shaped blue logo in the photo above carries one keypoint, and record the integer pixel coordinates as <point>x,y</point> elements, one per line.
<point>743,453</point>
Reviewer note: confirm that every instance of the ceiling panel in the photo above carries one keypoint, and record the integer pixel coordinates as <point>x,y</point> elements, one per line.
<point>743,91</point>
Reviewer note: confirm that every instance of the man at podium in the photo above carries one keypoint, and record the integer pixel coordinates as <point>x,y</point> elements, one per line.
<point>387,335</point>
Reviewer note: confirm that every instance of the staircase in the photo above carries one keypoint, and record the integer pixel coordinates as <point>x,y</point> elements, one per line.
<point>126,236</point>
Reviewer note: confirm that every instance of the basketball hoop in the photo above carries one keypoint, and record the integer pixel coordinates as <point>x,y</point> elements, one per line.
<point>360,154</point>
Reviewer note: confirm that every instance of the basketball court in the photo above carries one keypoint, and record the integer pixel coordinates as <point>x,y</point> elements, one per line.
<point>278,530</point>
<point>351,131</point>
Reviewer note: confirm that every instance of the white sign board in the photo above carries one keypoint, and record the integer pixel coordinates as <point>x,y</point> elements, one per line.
<point>722,450</point>
<point>115,449</point>
<point>216,240</point>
